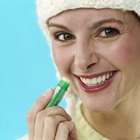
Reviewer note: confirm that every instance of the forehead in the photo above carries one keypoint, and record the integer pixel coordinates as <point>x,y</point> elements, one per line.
<point>87,14</point>
<point>86,18</point>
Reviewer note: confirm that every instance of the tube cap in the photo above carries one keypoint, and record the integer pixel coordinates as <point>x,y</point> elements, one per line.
<point>64,83</point>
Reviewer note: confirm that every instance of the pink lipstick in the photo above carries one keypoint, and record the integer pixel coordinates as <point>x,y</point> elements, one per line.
<point>97,82</point>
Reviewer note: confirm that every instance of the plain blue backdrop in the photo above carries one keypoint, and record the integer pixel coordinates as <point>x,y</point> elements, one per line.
<point>26,68</point>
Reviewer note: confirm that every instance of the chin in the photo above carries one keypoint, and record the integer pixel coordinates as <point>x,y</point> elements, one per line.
<point>103,107</point>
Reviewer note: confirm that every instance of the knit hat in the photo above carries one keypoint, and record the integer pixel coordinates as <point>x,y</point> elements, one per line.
<point>49,8</point>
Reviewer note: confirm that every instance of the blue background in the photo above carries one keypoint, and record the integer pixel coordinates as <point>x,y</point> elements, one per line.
<point>26,68</point>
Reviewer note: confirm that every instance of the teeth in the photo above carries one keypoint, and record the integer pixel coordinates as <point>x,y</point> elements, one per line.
<point>97,80</point>
<point>107,76</point>
<point>94,81</point>
<point>103,78</point>
<point>110,74</point>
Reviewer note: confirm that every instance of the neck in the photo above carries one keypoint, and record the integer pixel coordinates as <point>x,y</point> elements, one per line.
<point>124,119</point>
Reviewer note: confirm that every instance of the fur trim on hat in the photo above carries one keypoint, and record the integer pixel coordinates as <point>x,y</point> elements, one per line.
<point>50,8</point>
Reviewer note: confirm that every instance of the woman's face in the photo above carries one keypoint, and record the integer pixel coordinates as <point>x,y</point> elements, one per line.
<point>99,52</point>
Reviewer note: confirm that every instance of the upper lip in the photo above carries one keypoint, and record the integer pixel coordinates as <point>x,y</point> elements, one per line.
<point>95,75</point>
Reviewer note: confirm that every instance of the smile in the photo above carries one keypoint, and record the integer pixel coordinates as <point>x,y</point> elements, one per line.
<point>97,82</point>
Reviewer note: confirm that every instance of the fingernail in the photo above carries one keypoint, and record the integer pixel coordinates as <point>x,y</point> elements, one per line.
<point>48,92</point>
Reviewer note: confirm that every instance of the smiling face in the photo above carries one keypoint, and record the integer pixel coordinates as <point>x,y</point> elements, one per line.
<point>99,52</point>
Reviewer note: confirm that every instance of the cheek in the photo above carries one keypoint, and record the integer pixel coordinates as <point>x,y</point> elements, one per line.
<point>58,57</point>
<point>126,53</point>
<point>62,59</point>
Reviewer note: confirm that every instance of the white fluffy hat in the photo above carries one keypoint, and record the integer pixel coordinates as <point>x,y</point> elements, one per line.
<point>50,8</point>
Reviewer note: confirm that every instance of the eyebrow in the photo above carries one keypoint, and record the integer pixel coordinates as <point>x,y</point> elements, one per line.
<point>95,25</point>
<point>109,20</point>
<point>58,26</point>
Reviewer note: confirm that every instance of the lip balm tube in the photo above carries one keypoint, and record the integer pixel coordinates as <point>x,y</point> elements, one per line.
<point>59,92</point>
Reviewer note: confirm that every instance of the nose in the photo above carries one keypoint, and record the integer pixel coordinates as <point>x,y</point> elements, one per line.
<point>85,55</point>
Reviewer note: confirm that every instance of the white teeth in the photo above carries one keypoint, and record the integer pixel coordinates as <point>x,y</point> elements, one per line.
<point>94,81</point>
<point>97,80</point>
<point>110,74</point>
<point>103,78</point>
<point>107,76</point>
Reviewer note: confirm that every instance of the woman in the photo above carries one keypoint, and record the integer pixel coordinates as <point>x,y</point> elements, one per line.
<point>96,45</point>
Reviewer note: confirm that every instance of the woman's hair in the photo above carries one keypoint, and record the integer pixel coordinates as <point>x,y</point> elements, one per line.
<point>47,9</point>
<point>136,15</point>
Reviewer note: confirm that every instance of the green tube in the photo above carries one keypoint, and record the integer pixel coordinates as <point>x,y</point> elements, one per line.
<point>59,92</point>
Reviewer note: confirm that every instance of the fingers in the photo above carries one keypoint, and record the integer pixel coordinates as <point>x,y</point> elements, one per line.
<point>42,122</point>
<point>58,110</point>
<point>39,105</point>
<point>66,131</point>
<point>39,126</point>
<point>47,121</point>
<point>51,125</point>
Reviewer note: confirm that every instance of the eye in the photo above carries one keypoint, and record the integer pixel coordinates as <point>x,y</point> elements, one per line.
<point>108,32</point>
<point>63,36</point>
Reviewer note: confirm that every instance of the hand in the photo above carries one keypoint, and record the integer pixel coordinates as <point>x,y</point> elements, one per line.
<point>49,123</point>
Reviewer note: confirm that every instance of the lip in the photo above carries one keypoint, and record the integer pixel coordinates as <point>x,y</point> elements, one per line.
<point>97,88</point>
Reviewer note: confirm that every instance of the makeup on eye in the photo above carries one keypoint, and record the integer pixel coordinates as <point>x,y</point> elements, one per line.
<point>63,36</point>
<point>107,32</point>
<point>103,32</point>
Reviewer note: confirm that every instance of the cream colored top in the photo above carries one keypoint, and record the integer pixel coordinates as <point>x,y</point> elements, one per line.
<point>84,130</point>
